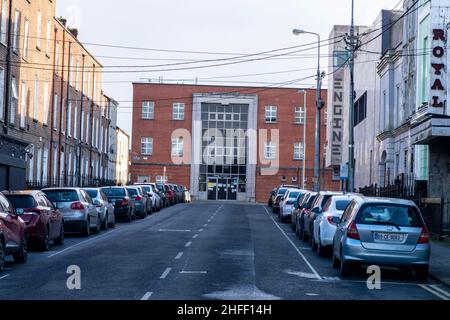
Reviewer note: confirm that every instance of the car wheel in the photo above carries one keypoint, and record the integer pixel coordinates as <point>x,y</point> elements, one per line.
<point>345,268</point>
<point>21,255</point>
<point>45,242</point>
<point>422,273</point>
<point>98,226</point>
<point>297,230</point>
<point>60,240</point>
<point>335,262</point>
<point>105,223</point>
<point>87,228</point>
<point>2,256</point>
<point>312,241</point>
<point>113,223</point>
<point>320,249</point>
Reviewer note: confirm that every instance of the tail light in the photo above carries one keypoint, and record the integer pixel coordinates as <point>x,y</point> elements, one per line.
<point>352,231</point>
<point>138,198</point>
<point>424,236</point>
<point>125,202</point>
<point>77,206</point>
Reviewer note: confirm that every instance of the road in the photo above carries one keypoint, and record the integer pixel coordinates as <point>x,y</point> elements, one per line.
<point>206,250</point>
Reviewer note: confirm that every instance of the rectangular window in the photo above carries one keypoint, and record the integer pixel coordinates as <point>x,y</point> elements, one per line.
<point>3,25</point>
<point>39,165</point>
<point>299,151</point>
<point>39,29</point>
<point>339,58</point>
<point>69,119</point>
<point>147,146</point>
<point>36,98</point>
<point>82,126</point>
<point>2,91</point>
<point>270,151</point>
<point>55,111</point>
<point>23,105</point>
<point>360,109</point>
<point>16,30</point>
<point>63,124</point>
<point>57,58</point>
<point>45,166</point>
<point>178,111</point>
<point>148,110</point>
<point>177,147</point>
<point>271,114</point>
<point>14,101</point>
<point>46,104</point>
<point>31,168</point>
<point>87,128</point>
<point>47,37</point>
<point>75,122</point>
<point>300,115</point>
<point>26,39</point>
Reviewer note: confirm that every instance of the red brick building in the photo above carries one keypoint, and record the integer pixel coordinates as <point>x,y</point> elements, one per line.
<point>227,143</point>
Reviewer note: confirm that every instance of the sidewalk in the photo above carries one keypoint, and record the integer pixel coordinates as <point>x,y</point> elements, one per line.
<point>440,261</point>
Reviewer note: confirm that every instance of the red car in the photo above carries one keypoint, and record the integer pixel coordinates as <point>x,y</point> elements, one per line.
<point>13,234</point>
<point>44,221</point>
<point>170,194</point>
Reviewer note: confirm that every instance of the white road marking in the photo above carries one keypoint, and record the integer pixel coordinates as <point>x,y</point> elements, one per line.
<point>172,230</point>
<point>435,287</point>
<point>82,242</point>
<point>294,246</point>
<point>4,277</point>
<point>146,296</point>
<point>205,225</point>
<point>179,255</point>
<point>201,230</point>
<point>165,273</point>
<point>312,294</point>
<point>193,272</point>
<point>436,293</point>
<point>187,245</point>
<point>195,236</point>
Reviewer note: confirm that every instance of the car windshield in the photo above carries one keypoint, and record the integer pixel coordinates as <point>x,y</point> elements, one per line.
<point>92,193</point>
<point>114,192</point>
<point>21,202</point>
<point>62,195</point>
<point>282,192</point>
<point>311,200</point>
<point>342,204</point>
<point>400,215</point>
<point>293,195</point>
<point>132,192</point>
<point>146,188</point>
<point>325,200</point>
<point>290,202</point>
<point>160,187</point>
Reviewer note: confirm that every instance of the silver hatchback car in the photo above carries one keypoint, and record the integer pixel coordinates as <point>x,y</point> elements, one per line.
<point>104,207</point>
<point>78,209</point>
<point>384,232</point>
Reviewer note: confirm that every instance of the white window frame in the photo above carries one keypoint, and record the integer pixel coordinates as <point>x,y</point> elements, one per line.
<point>2,93</point>
<point>36,97</point>
<point>148,110</point>
<point>270,150</point>
<point>14,101</point>
<point>271,114</point>
<point>23,105</point>
<point>178,110</point>
<point>3,25</point>
<point>48,37</point>
<point>46,104</point>
<point>39,29</point>
<point>177,147</point>
<point>75,121</point>
<point>146,146</point>
<point>26,39</point>
<point>16,30</point>
<point>55,111</point>
<point>299,151</point>
<point>300,115</point>
<point>69,119</point>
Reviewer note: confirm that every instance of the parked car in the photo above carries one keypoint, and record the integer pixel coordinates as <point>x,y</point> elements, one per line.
<point>120,198</point>
<point>309,217</point>
<point>306,208</point>
<point>44,221</point>
<point>187,195</point>
<point>163,194</point>
<point>13,234</point>
<point>272,196</point>
<point>152,195</point>
<point>326,221</point>
<point>104,207</point>
<point>287,203</point>
<point>178,193</point>
<point>297,208</point>
<point>170,194</point>
<point>78,209</point>
<point>280,194</point>
<point>142,203</point>
<point>384,232</point>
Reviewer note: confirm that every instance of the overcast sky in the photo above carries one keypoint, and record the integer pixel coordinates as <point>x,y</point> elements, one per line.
<point>220,26</point>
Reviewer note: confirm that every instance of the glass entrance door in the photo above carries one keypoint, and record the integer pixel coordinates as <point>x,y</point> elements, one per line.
<point>222,189</point>
<point>212,188</point>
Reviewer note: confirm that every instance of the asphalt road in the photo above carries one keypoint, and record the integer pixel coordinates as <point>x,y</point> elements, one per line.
<point>206,250</point>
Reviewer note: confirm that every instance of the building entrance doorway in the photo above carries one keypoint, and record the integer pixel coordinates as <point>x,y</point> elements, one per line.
<point>222,188</point>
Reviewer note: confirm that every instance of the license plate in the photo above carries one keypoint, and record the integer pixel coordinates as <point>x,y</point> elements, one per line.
<point>395,237</point>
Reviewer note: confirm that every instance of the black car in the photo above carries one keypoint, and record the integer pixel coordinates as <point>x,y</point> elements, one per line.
<point>121,199</point>
<point>272,196</point>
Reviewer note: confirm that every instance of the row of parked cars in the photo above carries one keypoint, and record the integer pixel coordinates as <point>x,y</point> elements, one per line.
<point>355,230</point>
<point>34,219</point>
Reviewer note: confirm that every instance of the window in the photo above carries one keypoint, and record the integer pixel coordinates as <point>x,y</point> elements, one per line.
<point>2,88</point>
<point>36,97</point>
<point>299,151</point>
<point>14,101</point>
<point>360,109</point>
<point>148,110</point>
<point>39,165</point>
<point>69,119</point>
<point>23,105</point>
<point>47,37</point>
<point>16,30</point>
<point>46,102</point>
<point>300,115</point>
<point>271,114</point>
<point>147,146</point>
<point>270,151</point>
<point>82,126</point>
<point>57,58</point>
<point>39,29</point>
<point>339,58</point>
<point>55,111</point>
<point>178,111</point>
<point>87,127</point>
<point>143,179</point>
<point>4,18</point>
<point>26,39</point>
<point>177,147</point>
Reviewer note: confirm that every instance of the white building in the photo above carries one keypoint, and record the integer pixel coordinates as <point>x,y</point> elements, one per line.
<point>122,156</point>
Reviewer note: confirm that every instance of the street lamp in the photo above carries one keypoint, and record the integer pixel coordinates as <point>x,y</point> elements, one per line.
<point>319,106</point>
<point>304,92</point>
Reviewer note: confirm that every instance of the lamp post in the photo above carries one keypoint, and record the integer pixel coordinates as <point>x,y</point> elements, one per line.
<point>304,139</point>
<point>319,106</point>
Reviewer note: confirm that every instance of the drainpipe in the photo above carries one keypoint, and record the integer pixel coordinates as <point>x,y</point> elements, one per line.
<point>52,109</point>
<point>67,115</point>
<point>80,144</point>
<point>61,110</point>
<point>8,71</point>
